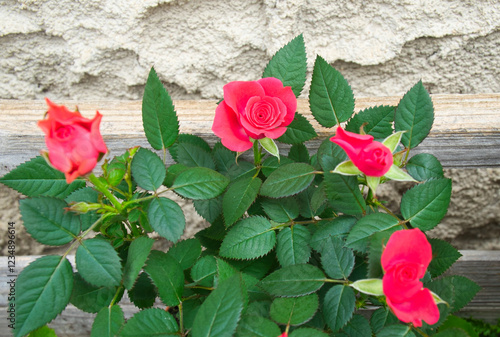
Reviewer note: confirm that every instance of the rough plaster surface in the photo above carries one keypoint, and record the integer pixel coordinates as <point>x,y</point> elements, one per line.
<point>103,49</point>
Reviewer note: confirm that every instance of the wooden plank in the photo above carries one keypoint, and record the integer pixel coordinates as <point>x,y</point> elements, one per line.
<point>465,133</point>
<point>483,267</point>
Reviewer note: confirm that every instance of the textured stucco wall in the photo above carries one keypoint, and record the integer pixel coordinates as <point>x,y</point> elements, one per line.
<point>92,49</point>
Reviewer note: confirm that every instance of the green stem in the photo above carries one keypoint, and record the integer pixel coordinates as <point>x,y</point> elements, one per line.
<point>80,237</point>
<point>120,288</point>
<point>257,155</point>
<point>337,281</point>
<point>101,187</point>
<point>181,319</point>
<point>420,331</point>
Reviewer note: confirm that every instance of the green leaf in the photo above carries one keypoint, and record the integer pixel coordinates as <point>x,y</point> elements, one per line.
<point>331,98</point>
<point>443,257</point>
<point>108,322</point>
<point>158,115</point>
<point>294,310</point>
<point>397,330</point>
<point>148,170</point>
<point>376,121</point>
<point>219,314</point>
<point>424,166</point>
<point>86,194</point>
<point>338,306</point>
<point>194,156</point>
<point>186,252</point>
<point>248,239</point>
<point>454,322</point>
<point>293,245</point>
<point>338,227</point>
<point>36,178</point>
<point>308,332</point>
<point>452,332</point>
<point>289,65</point>
<point>209,209</point>
<point>337,260</point>
<point>382,317</point>
<point>426,204</point>
<point>298,131</point>
<point>344,194</point>
<point>223,157</point>
<point>44,331</point>
<point>166,218</point>
<point>294,280</point>
<point>257,326</point>
<point>377,243</point>
<point>358,326</point>
<point>366,227</point>
<point>456,290</point>
<point>415,114</point>
<point>143,293</point>
<point>238,198</point>
<point>43,290</point>
<point>90,298</point>
<point>138,253</point>
<point>299,153</point>
<point>187,138</point>
<point>153,322</point>
<point>372,286</point>
<point>288,180</point>
<point>270,146</point>
<point>330,155</point>
<point>47,221</point>
<point>167,275</point>
<point>281,210</point>
<point>204,271</point>
<point>98,263</point>
<point>200,183</point>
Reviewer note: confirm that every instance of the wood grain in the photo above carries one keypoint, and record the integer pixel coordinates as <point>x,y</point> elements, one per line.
<point>465,132</point>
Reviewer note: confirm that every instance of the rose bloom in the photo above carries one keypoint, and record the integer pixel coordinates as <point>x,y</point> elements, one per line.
<point>370,157</point>
<point>405,260</point>
<point>75,143</point>
<point>253,109</point>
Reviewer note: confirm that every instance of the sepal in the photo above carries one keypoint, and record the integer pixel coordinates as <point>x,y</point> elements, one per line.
<point>393,140</point>
<point>347,168</point>
<point>371,286</point>
<point>396,173</point>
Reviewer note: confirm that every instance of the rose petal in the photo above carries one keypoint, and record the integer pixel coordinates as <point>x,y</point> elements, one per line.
<point>226,126</point>
<point>352,143</point>
<point>420,307</point>
<point>408,245</point>
<point>397,287</point>
<point>95,134</point>
<point>272,111</point>
<point>274,87</point>
<point>237,94</point>
<point>276,133</point>
<point>374,160</point>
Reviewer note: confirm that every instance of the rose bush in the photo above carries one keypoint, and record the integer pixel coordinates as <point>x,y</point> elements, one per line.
<point>370,157</point>
<point>253,109</point>
<point>74,143</point>
<point>405,260</point>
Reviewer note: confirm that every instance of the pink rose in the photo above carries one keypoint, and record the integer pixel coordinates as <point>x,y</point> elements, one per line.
<point>370,157</point>
<point>75,143</point>
<point>405,260</point>
<point>254,109</point>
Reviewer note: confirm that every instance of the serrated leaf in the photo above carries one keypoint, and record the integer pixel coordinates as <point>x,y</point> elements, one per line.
<point>382,317</point>
<point>148,170</point>
<point>424,166</point>
<point>223,157</point>
<point>366,227</point>
<point>415,114</point>
<point>288,180</point>
<point>299,153</point>
<point>143,293</point>
<point>330,155</point>
<point>376,121</point>
<point>194,156</point>
<point>86,194</point>
<point>294,280</point>
<point>337,260</point>
<point>294,310</point>
<point>358,326</point>
<point>47,221</point>
<point>238,198</point>
<point>456,290</point>
<point>44,331</point>
<point>36,178</point>
<point>248,239</point>
<point>338,306</point>
<point>219,314</point>
<point>98,263</point>
<point>308,332</point>
<point>209,209</point>
<point>377,245</point>
<point>108,322</point>
<point>454,322</point>
<point>200,183</point>
<point>187,138</point>
<point>426,204</point>
<point>257,326</point>
<point>281,210</point>
<point>289,65</point>
<point>397,330</point>
<point>443,257</point>
<point>167,275</point>
<point>272,163</point>
<point>43,290</point>
<point>138,253</point>
<point>90,298</point>
<point>153,322</point>
<point>298,131</point>
<point>158,114</point>
<point>338,227</point>
<point>330,98</point>
<point>166,218</point>
<point>293,245</point>
<point>344,194</point>
<point>204,271</point>
<point>186,252</point>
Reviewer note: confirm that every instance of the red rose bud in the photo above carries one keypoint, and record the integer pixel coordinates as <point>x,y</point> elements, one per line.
<point>75,143</point>
<point>370,157</point>
<point>405,260</point>
<point>284,334</point>
<point>253,109</point>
